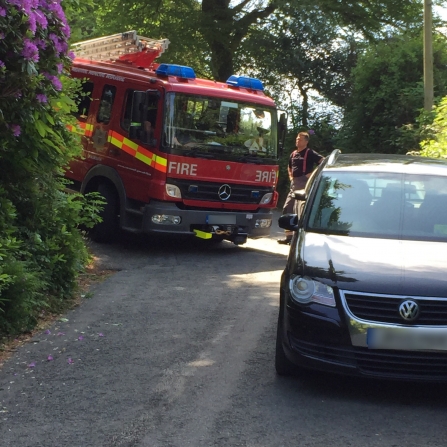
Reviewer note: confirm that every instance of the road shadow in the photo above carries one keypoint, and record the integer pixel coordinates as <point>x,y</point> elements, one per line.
<point>328,386</point>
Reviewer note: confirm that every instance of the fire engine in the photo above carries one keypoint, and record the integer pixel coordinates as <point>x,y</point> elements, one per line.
<point>169,152</point>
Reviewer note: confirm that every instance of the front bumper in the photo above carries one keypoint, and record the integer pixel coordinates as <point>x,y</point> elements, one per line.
<point>334,340</point>
<point>220,223</point>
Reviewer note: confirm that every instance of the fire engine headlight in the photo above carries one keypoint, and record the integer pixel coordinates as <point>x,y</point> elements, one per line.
<point>267,198</point>
<point>166,219</point>
<point>173,191</point>
<point>304,290</point>
<point>263,223</point>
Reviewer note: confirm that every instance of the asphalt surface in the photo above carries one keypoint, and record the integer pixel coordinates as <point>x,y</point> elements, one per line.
<point>177,349</point>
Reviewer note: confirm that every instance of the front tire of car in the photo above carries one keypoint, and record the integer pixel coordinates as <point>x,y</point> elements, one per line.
<point>283,366</point>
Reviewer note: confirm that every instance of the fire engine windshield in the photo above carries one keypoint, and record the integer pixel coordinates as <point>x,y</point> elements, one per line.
<point>209,127</point>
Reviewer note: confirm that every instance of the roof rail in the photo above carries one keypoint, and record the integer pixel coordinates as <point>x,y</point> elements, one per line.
<point>125,47</point>
<point>334,154</point>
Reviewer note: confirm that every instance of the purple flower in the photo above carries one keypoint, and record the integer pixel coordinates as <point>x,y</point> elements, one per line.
<point>81,338</point>
<point>59,67</point>
<point>15,129</point>
<point>60,333</point>
<point>41,98</point>
<point>48,332</point>
<point>2,64</point>
<point>41,19</point>
<point>101,334</point>
<point>311,132</point>
<point>71,55</point>
<point>30,51</point>
<point>32,365</point>
<point>70,360</point>
<point>57,84</point>
<point>40,43</point>
<point>2,12</point>
<point>59,44</point>
<point>15,2</point>
<point>49,358</point>
<point>32,23</point>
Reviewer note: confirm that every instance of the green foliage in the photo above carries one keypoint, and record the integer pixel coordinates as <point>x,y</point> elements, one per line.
<point>435,143</point>
<point>41,247</point>
<point>388,94</point>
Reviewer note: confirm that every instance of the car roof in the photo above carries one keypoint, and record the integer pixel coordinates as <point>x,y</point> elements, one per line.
<point>404,164</point>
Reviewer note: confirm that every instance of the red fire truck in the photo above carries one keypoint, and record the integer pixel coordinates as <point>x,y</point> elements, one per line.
<point>169,152</point>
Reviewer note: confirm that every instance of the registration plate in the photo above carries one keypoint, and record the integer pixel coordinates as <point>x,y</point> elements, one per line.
<point>225,219</point>
<point>407,338</point>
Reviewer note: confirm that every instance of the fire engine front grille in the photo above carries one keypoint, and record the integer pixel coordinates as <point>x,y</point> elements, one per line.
<point>220,192</point>
<point>385,309</point>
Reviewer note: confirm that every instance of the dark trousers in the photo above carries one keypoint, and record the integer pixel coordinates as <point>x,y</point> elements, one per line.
<point>291,205</point>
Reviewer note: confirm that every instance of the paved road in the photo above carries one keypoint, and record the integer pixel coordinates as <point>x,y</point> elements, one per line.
<point>176,349</point>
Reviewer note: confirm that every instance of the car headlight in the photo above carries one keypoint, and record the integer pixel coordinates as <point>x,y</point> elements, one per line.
<point>304,290</point>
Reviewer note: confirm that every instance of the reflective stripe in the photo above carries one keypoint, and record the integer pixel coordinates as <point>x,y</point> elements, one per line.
<point>128,146</point>
<point>81,129</point>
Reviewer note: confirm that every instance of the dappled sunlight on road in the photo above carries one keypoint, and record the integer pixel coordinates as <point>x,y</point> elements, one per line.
<point>267,245</point>
<point>259,285</point>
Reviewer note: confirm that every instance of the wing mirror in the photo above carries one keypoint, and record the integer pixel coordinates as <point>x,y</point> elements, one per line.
<point>288,222</point>
<point>300,194</point>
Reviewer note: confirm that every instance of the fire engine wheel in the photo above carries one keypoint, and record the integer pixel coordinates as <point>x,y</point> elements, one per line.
<point>106,231</point>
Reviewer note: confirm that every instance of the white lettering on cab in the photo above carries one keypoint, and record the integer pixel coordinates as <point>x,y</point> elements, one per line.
<point>182,168</point>
<point>265,176</point>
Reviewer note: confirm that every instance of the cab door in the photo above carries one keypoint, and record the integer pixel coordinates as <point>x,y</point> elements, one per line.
<point>101,122</point>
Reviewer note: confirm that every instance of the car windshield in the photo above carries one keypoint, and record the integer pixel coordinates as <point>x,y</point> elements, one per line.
<point>210,127</point>
<point>385,205</point>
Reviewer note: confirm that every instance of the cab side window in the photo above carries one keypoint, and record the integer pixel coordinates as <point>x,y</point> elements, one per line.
<point>125,121</point>
<point>106,104</point>
<point>85,100</point>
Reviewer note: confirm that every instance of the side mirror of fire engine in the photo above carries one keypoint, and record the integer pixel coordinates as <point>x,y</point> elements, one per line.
<point>282,130</point>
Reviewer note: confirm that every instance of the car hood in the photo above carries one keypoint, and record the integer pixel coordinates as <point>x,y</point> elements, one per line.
<point>399,267</point>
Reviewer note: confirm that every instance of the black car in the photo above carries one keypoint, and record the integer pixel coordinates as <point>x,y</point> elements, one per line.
<point>364,291</point>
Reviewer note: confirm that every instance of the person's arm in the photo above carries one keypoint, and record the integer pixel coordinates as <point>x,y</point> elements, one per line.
<point>289,167</point>
<point>317,159</point>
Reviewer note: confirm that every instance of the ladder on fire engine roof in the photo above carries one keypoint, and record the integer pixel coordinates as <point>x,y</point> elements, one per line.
<point>127,47</point>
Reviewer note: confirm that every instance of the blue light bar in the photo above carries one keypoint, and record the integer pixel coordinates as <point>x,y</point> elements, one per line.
<point>180,71</point>
<point>244,82</point>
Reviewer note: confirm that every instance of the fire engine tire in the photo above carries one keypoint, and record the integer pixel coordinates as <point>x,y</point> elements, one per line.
<point>107,230</point>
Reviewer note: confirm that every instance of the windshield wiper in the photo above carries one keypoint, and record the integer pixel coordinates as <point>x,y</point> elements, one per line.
<point>197,153</point>
<point>250,159</point>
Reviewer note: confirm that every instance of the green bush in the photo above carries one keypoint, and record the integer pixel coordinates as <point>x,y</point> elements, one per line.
<point>42,249</point>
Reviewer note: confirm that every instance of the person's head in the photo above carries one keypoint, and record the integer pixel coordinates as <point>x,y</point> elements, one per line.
<point>301,140</point>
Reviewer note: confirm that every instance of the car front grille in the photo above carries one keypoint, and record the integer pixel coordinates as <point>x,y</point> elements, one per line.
<point>385,309</point>
<point>209,191</point>
<point>380,363</point>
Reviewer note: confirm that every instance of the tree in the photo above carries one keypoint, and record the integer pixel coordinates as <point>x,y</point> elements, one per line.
<point>303,52</point>
<point>387,94</point>
<point>211,31</point>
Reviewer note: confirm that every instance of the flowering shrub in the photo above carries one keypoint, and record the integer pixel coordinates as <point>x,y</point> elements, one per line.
<point>41,248</point>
